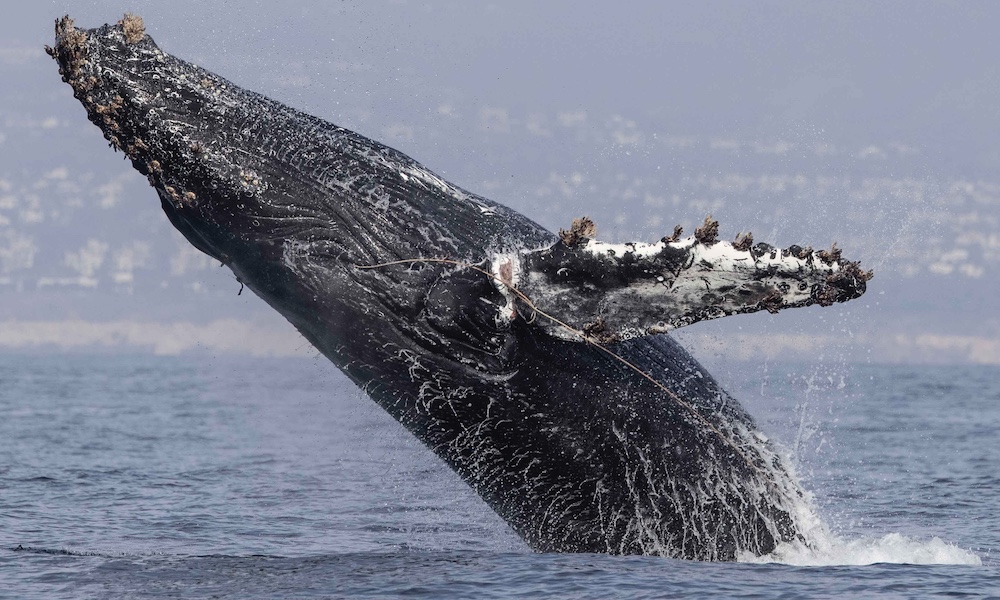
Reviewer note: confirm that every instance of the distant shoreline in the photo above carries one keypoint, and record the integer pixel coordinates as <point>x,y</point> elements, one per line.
<point>246,337</point>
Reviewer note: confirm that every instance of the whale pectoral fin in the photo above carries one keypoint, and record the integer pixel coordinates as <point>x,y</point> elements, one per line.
<point>619,291</point>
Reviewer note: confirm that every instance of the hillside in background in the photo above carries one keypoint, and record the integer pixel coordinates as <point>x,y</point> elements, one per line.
<point>905,183</point>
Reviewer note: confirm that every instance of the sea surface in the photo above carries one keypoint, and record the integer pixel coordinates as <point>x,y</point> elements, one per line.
<point>200,476</point>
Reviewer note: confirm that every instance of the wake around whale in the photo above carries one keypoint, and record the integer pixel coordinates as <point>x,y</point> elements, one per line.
<point>536,365</point>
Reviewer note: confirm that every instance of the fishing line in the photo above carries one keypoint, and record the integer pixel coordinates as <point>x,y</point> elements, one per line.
<point>582,335</point>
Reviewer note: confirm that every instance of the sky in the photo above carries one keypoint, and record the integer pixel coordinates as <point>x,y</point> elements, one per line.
<point>873,125</point>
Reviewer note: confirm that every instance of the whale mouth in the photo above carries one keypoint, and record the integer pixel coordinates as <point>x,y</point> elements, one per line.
<point>94,63</point>
<point>150,105</point>
<point>164,114</point>
<point>114,71</point>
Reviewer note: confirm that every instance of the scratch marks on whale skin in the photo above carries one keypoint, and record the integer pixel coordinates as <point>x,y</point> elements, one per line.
<point>435,388</point>
<point>655,512</point>
<point>295,256</point>
<point>411,360</point>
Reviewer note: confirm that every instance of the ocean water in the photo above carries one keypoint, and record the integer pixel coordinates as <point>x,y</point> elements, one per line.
<point>146,477</point>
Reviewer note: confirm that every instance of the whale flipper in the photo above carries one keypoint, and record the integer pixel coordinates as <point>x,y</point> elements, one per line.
<point>615,292</point>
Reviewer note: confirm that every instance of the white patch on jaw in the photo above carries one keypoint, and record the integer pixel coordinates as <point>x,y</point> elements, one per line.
<point>505,268</point>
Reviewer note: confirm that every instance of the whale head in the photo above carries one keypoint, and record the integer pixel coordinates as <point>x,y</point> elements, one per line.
<point>254,183</point>
<point>173,120</point>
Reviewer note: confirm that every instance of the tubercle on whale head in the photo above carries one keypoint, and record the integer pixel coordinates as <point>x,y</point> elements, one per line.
<point>92,62</point>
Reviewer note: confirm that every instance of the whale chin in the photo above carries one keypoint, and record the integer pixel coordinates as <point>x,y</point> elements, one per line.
<point>534,364</point>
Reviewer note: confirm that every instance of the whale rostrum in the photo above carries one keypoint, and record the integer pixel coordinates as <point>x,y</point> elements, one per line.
<point>536,365</point>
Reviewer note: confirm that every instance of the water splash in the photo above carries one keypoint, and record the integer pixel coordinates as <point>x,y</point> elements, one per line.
<point>892,548</point>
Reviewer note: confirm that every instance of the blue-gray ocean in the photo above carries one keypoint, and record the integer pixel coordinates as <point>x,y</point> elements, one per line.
<point>198,476</point>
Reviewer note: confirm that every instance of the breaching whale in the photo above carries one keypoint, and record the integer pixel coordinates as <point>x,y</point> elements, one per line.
<point>536,365</point>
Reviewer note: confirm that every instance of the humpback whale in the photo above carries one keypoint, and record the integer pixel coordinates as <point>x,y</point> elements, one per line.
<point>537,365</point>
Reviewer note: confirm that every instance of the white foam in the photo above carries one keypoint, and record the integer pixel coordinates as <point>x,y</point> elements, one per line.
<point>892,548</point>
